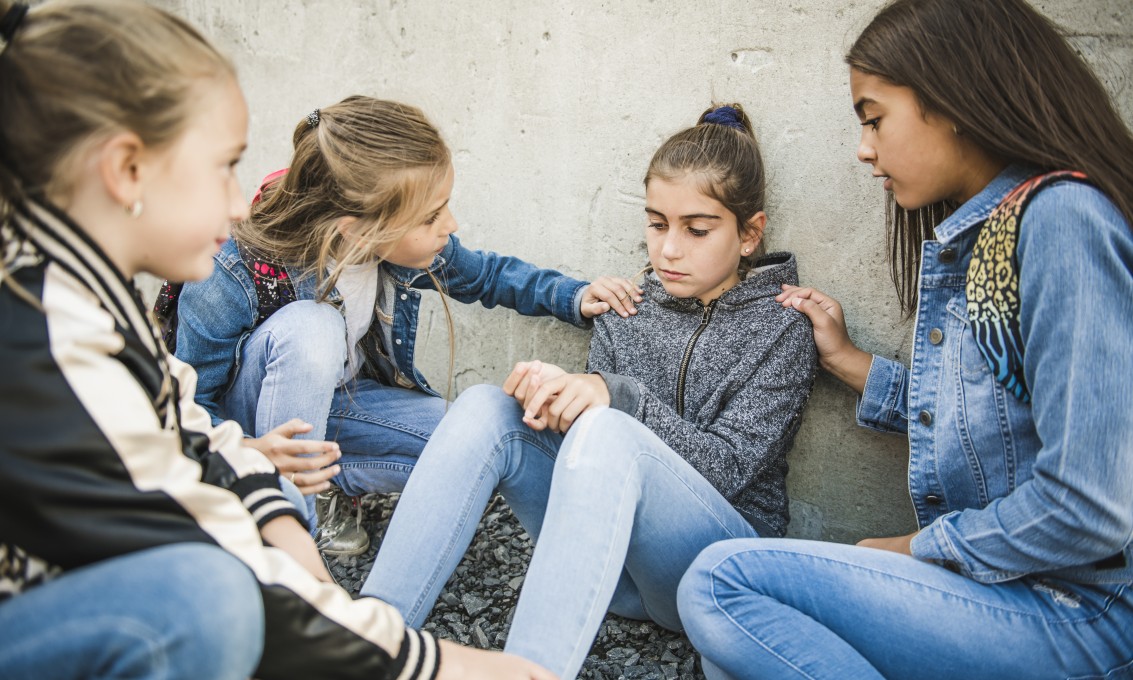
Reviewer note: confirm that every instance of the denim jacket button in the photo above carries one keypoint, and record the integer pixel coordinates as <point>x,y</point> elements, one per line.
<point>948,255</point>
<point>397,341</point>
<point>926,418</point>
<point>404,296</point>
<point>935,336</point>
<point>932,499</point>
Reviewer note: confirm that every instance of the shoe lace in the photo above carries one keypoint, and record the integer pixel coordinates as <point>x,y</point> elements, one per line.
<point>336,519</point>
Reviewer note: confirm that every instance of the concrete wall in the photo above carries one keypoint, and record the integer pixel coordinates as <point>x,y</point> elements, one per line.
<point>553,110</point>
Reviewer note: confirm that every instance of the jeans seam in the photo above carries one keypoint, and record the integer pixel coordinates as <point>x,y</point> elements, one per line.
<point>970,601</point>
<point>501,443</point>
<point>743,629</point>
<point>635,463</point>
<point>372,420</point>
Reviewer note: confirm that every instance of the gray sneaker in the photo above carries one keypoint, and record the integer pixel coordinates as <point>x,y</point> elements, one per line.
<point>340,524</point>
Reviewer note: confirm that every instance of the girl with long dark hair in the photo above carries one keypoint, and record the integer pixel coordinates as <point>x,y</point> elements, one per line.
<point>1011,178</point>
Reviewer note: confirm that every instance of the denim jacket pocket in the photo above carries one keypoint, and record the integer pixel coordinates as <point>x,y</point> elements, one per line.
<point>985,433</point>
<point>970,361</point>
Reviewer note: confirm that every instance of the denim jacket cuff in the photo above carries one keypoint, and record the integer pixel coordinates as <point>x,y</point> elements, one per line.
<point>931,546</point>
<point>878,407</point>
<point>575,317</point>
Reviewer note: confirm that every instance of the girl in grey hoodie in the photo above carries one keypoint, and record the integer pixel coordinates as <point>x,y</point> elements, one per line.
<point>674,438</point>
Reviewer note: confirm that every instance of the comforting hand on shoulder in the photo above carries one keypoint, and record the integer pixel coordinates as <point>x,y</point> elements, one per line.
<point>836,351</point>
<point>608,292</point>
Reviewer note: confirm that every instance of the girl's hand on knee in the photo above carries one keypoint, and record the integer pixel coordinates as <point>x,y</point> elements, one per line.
<point>519,383</point>
<point>558,403</point>
<point>308,464</point>
<point>608,292</point>
<point>897,544</point>
<point>465,662</point>
<point>836,352</point>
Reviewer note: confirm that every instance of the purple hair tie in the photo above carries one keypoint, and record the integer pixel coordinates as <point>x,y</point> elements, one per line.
<point>727,116</point>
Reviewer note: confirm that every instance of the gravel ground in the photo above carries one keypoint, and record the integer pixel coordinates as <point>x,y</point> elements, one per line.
<point>475,608</point>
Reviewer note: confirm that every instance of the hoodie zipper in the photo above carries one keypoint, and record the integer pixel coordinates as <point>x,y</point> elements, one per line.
<point>704,319</point>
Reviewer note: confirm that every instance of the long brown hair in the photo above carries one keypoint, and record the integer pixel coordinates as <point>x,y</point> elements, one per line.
<point>728,162</point>
<point>1005,76</point>
<point>375,160</point>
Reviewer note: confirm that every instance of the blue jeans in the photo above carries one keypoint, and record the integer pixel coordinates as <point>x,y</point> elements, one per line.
<point>180,611</point>
<point>777,608</point>
<point>616,514</point>
<point>291,366</point>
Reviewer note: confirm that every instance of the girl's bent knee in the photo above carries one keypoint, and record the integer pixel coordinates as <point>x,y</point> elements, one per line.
<point>604,438</point>
<point>487,405</point>
<point>317,326</point>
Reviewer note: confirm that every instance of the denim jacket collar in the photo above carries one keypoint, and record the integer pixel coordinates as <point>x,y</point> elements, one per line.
<point>405,276</point>
<point>976,210</point>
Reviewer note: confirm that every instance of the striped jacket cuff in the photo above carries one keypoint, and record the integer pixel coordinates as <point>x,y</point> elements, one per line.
<point>263,498</point>
<point>419,657</point>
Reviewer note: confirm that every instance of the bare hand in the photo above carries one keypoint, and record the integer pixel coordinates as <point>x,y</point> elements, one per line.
<point>836,352</point>
<point>897,544</point>
<point>479,664</point>
<point>518,383</point>
<point>557,403</point>
<point>608,292</point>
<point>308,464</point>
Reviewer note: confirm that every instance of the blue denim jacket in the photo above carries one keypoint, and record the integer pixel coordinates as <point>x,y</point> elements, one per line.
<point>218,314</point>
<point>1002,488</point>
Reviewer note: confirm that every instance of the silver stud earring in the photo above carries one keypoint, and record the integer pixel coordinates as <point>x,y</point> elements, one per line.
<point>747,250</point>
<point>134,209</point>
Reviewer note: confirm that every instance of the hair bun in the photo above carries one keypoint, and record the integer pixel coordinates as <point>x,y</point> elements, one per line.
<point>728,116</point>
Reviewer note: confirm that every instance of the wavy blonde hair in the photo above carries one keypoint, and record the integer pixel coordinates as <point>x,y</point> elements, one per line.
<point>374,160</point>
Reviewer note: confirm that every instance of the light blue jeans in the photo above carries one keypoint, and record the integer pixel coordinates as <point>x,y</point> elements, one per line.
<point>617,516</point>
<point>187,611</point>
<point>783,608</point>
<point>290,367</point>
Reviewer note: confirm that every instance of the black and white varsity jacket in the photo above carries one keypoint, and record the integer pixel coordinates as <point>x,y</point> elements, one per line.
<point>103,452</point>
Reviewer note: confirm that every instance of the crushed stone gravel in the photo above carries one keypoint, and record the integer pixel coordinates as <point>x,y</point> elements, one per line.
<point>476,605</point>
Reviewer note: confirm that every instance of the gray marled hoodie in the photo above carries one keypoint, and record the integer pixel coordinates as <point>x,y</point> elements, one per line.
<point>750,364</point>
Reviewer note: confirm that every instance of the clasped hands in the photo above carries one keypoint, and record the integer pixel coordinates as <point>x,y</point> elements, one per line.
<point>551,397</point>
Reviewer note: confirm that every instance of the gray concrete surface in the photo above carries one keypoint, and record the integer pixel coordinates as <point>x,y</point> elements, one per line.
<point>552,111</point>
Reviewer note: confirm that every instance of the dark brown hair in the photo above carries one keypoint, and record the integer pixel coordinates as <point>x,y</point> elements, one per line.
<point>727,161</point>
<point>1005,76</point>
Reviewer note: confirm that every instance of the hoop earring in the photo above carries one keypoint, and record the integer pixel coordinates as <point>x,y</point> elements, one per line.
<point>134,210</point>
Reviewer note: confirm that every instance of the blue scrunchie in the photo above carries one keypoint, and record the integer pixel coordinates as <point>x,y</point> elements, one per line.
<point>726,116</point>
